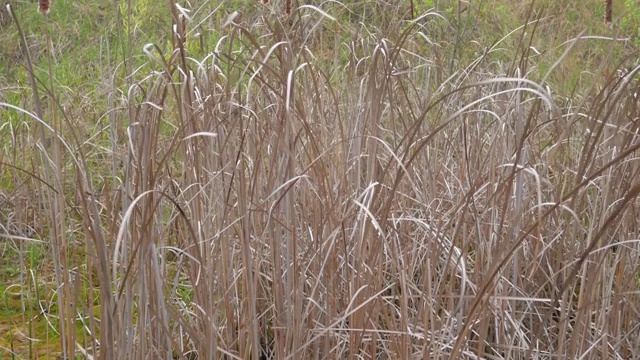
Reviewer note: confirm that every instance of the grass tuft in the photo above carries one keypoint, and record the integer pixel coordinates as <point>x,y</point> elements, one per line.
<point>322,180</point>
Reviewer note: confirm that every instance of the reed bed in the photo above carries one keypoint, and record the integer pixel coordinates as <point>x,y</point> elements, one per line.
<point>313,188</point>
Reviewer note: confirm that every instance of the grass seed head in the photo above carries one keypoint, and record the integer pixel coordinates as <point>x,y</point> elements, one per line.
<point>43,6</point>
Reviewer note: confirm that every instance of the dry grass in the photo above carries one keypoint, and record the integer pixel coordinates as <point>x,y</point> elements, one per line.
<point>279,200</point>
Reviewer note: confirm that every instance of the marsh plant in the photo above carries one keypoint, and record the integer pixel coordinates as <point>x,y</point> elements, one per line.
<point>261,183</point>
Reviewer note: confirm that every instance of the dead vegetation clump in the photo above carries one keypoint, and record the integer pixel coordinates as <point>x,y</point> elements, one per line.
<point>381,204</point>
